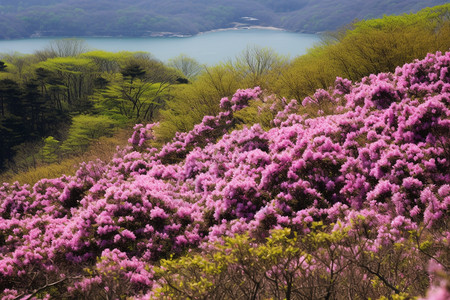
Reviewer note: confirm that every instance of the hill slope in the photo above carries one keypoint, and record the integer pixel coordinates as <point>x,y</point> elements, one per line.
<point>365,190</point>
<point>146,17</point>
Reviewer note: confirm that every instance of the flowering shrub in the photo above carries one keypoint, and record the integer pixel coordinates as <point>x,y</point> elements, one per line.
<point>353,203</point>
<point>142,134</point>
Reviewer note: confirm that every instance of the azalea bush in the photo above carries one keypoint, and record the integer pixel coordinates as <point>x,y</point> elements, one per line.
<point>348,201</point>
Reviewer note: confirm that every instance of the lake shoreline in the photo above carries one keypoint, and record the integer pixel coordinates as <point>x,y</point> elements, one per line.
<point>158,34</point>
<point>243,28</point>
<point>40,35</point>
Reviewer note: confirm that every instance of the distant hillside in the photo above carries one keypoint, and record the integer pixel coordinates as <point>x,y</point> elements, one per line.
<point>152,17</point>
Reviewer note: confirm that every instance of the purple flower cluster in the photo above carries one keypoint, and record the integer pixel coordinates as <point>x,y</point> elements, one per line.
<point>142,134</point>
<point>383,161</point>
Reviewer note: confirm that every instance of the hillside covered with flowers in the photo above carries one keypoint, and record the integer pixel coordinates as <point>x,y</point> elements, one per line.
<point>349,204</point>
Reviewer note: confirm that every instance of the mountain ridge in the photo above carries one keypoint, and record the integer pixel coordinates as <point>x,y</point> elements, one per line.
<point>150,17</point>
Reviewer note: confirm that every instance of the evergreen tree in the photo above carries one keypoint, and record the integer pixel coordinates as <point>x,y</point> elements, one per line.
<point>2,66</point>
<point>50,149</point>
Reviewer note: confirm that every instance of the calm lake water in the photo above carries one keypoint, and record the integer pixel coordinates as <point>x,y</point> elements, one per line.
<point>208,48</point>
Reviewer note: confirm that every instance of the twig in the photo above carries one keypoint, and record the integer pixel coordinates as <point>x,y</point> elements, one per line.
<point>43,288</point>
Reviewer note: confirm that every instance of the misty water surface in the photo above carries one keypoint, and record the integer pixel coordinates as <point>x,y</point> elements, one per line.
<point>208,48</point>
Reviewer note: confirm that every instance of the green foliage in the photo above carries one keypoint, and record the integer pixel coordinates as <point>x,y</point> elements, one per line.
<point>133,71</point>
<point>236,268</point>
<point>3,66</point>
<point>382,44</point>
<point>84,130</point>
<point>25,117</point>
<point>113,62</point>
<point>364,48</point>
<point>324,259</point>
<point>38,93</point>
<point>70,78</point>
<point>105,61</point>
<point>190,103</point>
<point>305,74</point>
<point>70,65</point>
<point>249,267</point>
<point>260,111</point>
<point>19,65</point>
<point>50,149</point>
<point>103,148</point>
<point>138,91</point>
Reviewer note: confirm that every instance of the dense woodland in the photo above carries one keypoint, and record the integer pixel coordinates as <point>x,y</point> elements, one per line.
<point>42,94</point>
<point>145,17</point>
<point>57,101</point>
<point>327,179</point>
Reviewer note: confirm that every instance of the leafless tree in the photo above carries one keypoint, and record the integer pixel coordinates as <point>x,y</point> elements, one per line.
<point>188,66</point>
<point>67,47</point>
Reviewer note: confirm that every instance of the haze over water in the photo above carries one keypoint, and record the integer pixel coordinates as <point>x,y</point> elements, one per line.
<point>208,48</point>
